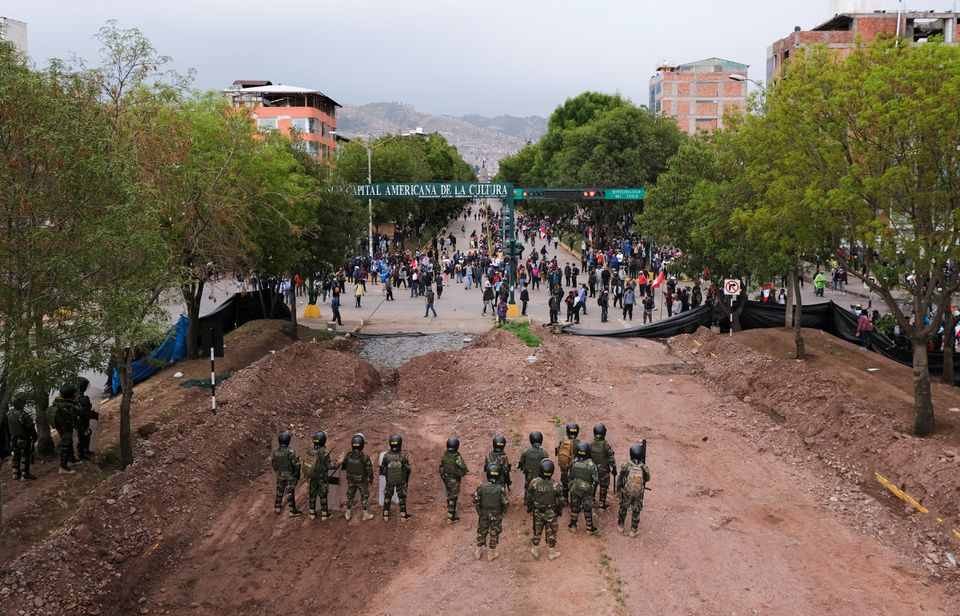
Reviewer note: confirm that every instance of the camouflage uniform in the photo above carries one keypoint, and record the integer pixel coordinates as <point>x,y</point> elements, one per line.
<point>583,477</point>
<point>490,500</point>
<point>452,470</point>
<point>287,466</point>
<point>565,472</point>
<point>359,470</point>
<point>395,485</point>
<point>319,483</point>
<point>65,417</point>
<point>630,501</point>
<point>602,455</point>
<point>500,458</point>
<point>23,433</point>
<point>529,465</point>
<point>547,499</point>
<point>84,415</point>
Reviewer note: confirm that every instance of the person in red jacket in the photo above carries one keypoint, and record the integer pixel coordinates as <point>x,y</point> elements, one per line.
<point>864,327</point>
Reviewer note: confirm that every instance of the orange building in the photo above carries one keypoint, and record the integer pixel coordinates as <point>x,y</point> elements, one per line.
<point>277,107</point>
<point>841,33</point>
<point>698,94</point>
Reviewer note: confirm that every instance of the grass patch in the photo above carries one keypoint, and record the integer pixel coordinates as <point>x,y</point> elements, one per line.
<point>616,584</point>
<point>522,331</point>
<point>557,422</point>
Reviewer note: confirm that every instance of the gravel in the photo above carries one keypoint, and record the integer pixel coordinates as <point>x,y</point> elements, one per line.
<point>392,352</point>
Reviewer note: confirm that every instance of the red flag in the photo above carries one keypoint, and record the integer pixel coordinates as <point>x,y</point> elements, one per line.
<point>658,281</point>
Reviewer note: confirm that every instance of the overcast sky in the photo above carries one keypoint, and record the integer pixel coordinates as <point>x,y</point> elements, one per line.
<point>518,57</point>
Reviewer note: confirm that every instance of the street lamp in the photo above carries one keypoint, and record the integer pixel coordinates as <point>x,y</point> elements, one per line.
<point>369,146</point>
<point>742,78</point>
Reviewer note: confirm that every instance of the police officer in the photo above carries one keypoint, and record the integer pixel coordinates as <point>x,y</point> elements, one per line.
<point>452,470</point>
<point>634,476</point>
<point>84,416</point>
<point>529,465</point>
<point>565,452</point>
<point>359,472</point>
<point>65,417</point>
<point>287,466</point>
<point>23,433</point>
<point>490,500</point>
<point>395,468</point>
<point>602,455</point>
<point>583,478</point>
<point>547,501</point>
<point>499,457</point>
<point>319,482</point>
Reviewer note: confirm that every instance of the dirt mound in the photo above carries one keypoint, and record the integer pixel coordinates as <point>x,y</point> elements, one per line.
<point>32,510</point>
<point>497,339</point>
<point>857,422</point>
<point>139,522</point>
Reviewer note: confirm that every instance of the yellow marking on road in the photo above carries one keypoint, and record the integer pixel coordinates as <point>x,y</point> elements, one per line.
<point>901,494</point>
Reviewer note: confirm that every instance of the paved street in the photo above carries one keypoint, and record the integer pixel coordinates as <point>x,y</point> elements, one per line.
<point>460,310</point>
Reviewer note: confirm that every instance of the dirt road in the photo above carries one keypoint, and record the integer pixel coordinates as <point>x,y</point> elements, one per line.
<point>726,529</point>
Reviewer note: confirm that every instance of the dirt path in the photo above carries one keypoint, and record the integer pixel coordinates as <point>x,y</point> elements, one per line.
<point>728,529</point>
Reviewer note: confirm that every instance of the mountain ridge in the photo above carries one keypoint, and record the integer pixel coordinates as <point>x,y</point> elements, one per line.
<point>478,138</point>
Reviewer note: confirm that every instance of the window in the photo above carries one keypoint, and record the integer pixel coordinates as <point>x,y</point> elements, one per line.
<point>266,124</point>
<point>310,147</point>
<point>326,129</point>
<point>314,126</point>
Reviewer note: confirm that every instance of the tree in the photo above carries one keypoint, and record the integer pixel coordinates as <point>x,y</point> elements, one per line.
<point>883,155</point>
<point>56,187</point>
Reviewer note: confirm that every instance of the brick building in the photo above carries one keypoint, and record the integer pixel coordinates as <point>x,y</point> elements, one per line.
<point>286,108</point>
<point>698,94</point>
<point>841,32</point>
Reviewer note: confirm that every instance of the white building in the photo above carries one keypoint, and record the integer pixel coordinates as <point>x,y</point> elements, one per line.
<point>15,32</point>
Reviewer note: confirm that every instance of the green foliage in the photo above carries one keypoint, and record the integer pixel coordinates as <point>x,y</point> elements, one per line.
<point>406,159</point>
<point>598,140</point>
<point>522,331</point>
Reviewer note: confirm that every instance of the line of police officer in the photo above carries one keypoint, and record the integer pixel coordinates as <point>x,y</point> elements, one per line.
<point>70,412</point>
<point>544,498</point>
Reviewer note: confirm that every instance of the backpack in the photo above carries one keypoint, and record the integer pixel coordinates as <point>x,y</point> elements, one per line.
<point>565,454</point>
<point>531,460</point>
<point>449,464</point>
<point>635,482</point>
<point>394,470</point>
<point>353,465</point>
<point>597,453</point>
<point>309,463</point>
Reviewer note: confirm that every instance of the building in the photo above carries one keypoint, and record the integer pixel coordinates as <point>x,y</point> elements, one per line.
<point>15,32</point>
<point>276,107</point>
<point>841,32</point>
<point>697,95</point>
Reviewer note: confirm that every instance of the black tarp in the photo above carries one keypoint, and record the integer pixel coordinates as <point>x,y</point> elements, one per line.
<point>683,323</point>
<point>828,317</point>
<point>243,307</point>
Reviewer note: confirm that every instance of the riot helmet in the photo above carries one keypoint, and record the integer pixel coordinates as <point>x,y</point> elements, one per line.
<point>573,430</point>
<point>546,469</point>
<point>453,444</point>
<point>320,438</point>
<point>357,442</point>
<point>499,443</point>
<point>493,472</point>
<point>600,431</point>
<point>396,442</point>
<point>583,451</point>
<point>536,439</point>
<point>284,439</point>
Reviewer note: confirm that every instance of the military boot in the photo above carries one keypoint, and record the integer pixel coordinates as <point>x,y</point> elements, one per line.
<point>449,518</point>
<point>66,471</point>
<point>404,515</point>
<point>492,555</point>
<point>25,470</point>
<point>572,527</point>
<point>346,514</point>
<point>386,515</point>
<point>535,552</point>
<point>295,513</point>
<point>620,528</point>
<point>633,533</point>
<point>478,553</point>
<point>313,514</point>
<point>367,515</point>
<point>553,554</point>
<point>324,515</point>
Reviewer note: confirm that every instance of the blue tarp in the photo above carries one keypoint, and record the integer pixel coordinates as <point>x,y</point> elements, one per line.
<point>173,349</point>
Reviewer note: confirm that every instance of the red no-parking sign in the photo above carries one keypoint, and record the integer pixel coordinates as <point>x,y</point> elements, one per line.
<point>731,287</point>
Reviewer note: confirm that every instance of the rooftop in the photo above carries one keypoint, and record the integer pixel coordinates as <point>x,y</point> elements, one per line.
<point>708,65</point>
<point>273,94</point>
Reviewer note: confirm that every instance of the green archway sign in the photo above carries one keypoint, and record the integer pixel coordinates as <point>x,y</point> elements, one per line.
<point>454,190</point>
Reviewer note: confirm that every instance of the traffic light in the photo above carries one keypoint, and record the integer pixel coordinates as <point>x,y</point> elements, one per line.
<point>513,248</point>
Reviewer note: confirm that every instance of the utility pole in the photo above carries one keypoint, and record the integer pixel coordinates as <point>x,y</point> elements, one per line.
<point>370,201</point>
